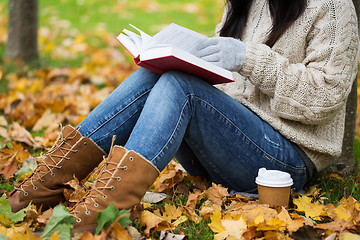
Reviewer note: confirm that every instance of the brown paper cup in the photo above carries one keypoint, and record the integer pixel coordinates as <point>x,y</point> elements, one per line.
<point>274,196</point>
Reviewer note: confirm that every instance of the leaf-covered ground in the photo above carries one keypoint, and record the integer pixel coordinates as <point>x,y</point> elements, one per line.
<point>78,69</point>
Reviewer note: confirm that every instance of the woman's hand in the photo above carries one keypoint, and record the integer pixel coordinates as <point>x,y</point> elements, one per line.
<point>226,52</point>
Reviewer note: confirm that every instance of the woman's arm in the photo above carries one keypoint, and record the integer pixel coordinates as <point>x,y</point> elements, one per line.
<point>314,90</point>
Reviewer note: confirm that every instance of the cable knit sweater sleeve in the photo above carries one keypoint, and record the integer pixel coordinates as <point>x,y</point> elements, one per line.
<point>314,90</point>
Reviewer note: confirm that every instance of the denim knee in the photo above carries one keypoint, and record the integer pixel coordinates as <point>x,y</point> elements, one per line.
<point>180,79</point>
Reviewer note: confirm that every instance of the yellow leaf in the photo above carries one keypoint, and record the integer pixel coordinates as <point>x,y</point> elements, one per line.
<point>21,84</point>
<point>180,220</point>
<point>171,212</point>
<point>48,121</point>
<point>342,213</point>
<point>146,205</point>
<point>346,209</point>
<point>234,229</point>
<point>5,221</point>
<point>312,210</point>
<point>251,214</point>
<point>18,233</point>
<point>215,224</point>
<point>269,235</point>
<point>259,219</point>
<point>349,236</point>
<point>55,236</point>
<point>284,215</point>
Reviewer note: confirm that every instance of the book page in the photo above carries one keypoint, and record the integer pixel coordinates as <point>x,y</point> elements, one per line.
<point>178,36</point>
<point>146,39</point>
<point>129,44</point>
<point>134,37</point>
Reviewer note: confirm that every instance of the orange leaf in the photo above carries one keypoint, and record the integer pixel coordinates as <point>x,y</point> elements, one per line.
<point>151,221</point>
<point>120,232</point>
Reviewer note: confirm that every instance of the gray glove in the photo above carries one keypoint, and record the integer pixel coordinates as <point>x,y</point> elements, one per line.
<point>225,52</point>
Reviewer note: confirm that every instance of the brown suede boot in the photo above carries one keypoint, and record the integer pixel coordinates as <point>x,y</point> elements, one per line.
<point>71,155</point>
<point>123,181</point>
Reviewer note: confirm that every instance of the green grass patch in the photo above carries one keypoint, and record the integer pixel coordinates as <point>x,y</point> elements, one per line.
<point>198,231</point>
<point>333,190</point>
<point>148,15</point>
<point>6,185</point>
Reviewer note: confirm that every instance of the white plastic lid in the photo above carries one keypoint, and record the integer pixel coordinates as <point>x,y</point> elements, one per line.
<point>273,178</point>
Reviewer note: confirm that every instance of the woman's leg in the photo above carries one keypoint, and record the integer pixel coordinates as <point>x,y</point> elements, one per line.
<point>75,154</point>
<point>229,141</point>
<point>118,113</point>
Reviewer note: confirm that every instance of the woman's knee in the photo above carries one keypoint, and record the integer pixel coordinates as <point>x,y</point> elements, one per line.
<point>177,80</point>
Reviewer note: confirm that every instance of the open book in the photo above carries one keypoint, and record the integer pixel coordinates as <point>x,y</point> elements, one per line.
<point>169,50</point>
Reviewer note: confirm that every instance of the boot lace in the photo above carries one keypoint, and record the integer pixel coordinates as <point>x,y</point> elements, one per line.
<point>64,147</point>
<point>101,183</point>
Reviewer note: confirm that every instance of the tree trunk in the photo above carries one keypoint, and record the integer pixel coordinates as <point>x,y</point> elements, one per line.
<point>22,30</point>
<point>345,164</point>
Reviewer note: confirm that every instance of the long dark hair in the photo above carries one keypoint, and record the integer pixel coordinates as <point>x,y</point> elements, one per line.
<point>283,13</point>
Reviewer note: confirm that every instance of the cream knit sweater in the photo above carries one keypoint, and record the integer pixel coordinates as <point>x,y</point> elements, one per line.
<point>301,84</point>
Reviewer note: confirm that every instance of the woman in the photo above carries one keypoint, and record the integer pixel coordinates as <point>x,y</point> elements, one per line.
<point>294,63</point>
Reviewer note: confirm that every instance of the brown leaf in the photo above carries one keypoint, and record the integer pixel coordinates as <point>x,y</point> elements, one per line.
<point>4,132</point>
<point>151,221</point>
<point>336,226</point>
<point>31,215</point>
<point>10,167</point>
<point>169,177</point>
<point>76,192</point>
<point>217,194</point>
<point>189,209</point>
<point>20,134</point>
<point>193,199</point>
<point>205,212</point>
<point>133,232</point>
<point>45,216</point>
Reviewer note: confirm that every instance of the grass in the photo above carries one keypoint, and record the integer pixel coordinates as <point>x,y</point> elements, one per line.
<point>334,187</point>
<point>148,15</point>
<point>333,190</point>
<point>91,17</point>
<point>196,231</point>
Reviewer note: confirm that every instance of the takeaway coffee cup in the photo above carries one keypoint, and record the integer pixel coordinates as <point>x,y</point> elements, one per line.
<point>274,187</point>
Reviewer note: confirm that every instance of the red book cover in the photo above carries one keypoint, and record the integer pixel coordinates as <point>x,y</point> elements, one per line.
<point>170,63</point>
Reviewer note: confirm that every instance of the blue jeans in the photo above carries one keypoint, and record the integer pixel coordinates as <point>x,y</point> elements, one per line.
<point>208,132</point>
